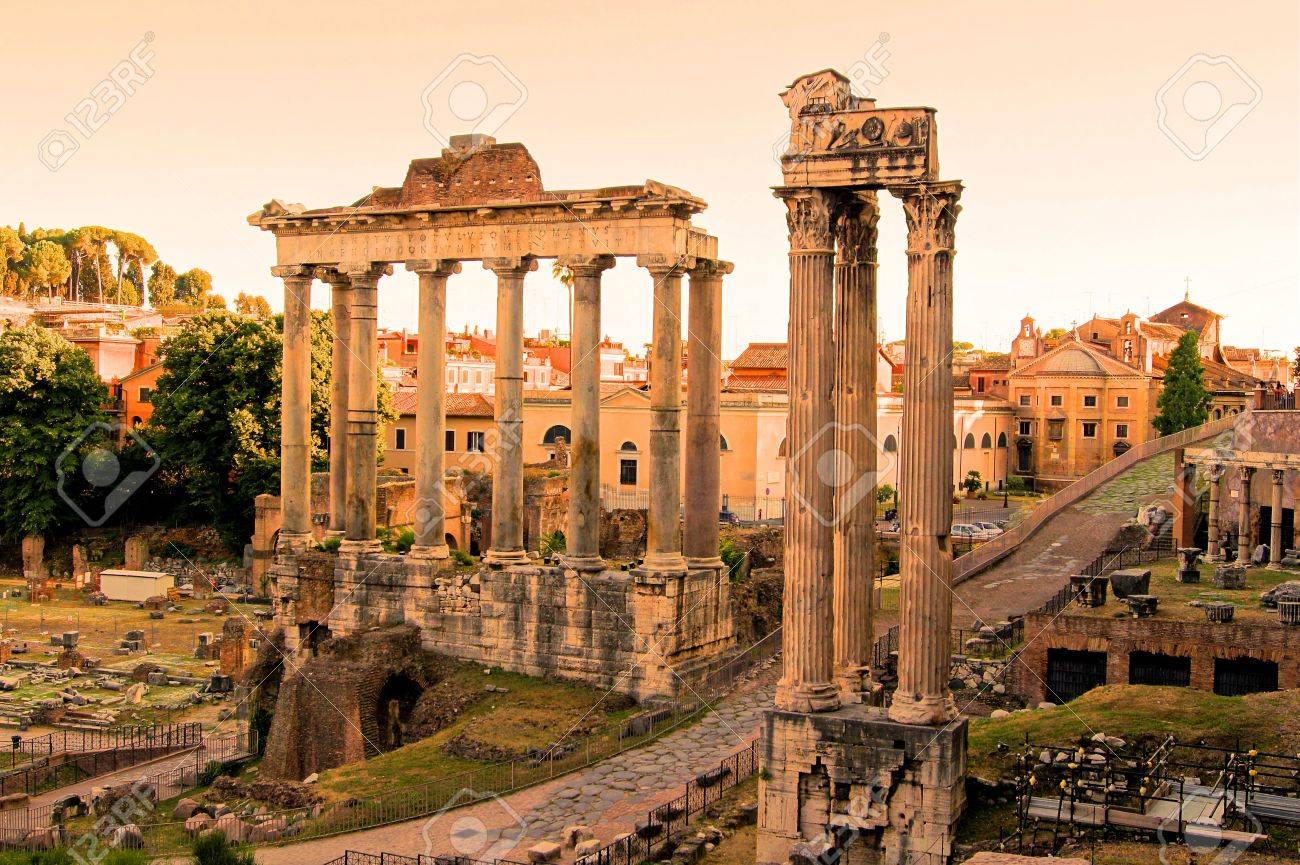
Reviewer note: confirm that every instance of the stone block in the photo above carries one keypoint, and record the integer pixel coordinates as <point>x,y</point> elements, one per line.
<point>544,851</point>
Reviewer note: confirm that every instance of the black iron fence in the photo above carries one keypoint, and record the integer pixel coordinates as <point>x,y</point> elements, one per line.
<point>92,753</point>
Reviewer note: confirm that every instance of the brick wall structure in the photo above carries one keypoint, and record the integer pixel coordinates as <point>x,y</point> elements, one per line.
<point>1203,642</point>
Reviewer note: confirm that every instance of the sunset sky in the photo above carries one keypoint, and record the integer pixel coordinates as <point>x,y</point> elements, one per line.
<point>1076,199</point>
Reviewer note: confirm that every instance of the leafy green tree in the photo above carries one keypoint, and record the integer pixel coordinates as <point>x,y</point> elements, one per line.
<point>1183,402</point>
<point>214,301</point>
<point>131,249</point>
<point>193,285</point>
<point>216,420</point>
<point>11,253</point>
<point>162,284</point>
<point>49,395</point>
<point>46,266</point>
<point>252,304</point>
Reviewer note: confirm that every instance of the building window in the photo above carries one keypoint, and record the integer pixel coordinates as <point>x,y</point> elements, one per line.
<point>627,472</point>
<point>969,442</point>
<point>1089,429</point>
<point>979,385</point>
<point>891,444</point>
<point>628,447</point>
<point>1056,430</point>
<point>474,442</point>
<point>1121,402</point>
<point>399,439</point>
<point>1024,399</point>
<point>146,394</point>
<point>1121,430</point>
<point>722,443</point>
<point>987,441</point>
<point>559,431</point>
<point>449,440</point>
<point>1026,428</point>
<point>1057,400</point>
<point>1002,440</point>
<point>1089,401</point>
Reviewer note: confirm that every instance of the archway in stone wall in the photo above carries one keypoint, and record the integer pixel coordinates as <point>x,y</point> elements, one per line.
<point>392,710</point>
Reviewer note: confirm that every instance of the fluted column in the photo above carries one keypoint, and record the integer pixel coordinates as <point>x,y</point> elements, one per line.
<point>1245,531</point>
<point>855,443</point>
<point>508,480</point>
<point>430,419</point>
<point>362,470</point>
<point>663,548</point>
<point>1212,518</point>
<point>295,407</point>
<point>703,493</point>
<point>341,314</point>
<point>1275,523</point>
<point>806,683</point>
<point>925,475</point>
<point>583,541</point>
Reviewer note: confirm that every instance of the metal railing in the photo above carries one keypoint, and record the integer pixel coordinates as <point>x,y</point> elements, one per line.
<point>92,753</point>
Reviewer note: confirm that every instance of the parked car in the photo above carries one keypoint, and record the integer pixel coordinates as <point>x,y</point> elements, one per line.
<point>990,527</point>
<point>969,532</point>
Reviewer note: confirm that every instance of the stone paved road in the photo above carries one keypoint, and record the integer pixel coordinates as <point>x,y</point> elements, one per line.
<point>610,797</point>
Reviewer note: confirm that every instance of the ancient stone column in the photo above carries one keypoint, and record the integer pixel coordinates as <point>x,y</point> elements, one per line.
<point>925,471</point>
<point>583,541</point>
<point>430,420</point>
<point>362,471</point>
<point>508,478</point>
<point>663,549</point>
<point>703,456</point>
<point>1212,518</point>
<point>1275,524</point>
<point>295,407</point>
<point>341,313</point>
<point>1245,531</point>
<point>806,683</point>
<point>855,444</point>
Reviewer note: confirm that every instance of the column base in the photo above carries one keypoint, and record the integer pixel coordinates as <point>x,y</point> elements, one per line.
<point>922,711</point>
<point>336,533</point>
<point>434,552</point>
<point>705,563</point>
<point>293,542</point>
<point>663,563</point>
<point>355,549</point>
<point>585,564</point>
<point>806,699</point>
<point>506,558</point>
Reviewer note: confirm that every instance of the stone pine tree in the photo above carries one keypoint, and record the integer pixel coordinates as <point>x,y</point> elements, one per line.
<point>49,396</point>
<point>1183,402</point>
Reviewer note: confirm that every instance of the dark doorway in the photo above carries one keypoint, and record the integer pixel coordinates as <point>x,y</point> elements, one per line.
<point>1236,676</point>
<point>1150,668</point>
<point>1071,673</point>
<point>1264,531</point>
<point>393,709</point>
<point>312,635</point>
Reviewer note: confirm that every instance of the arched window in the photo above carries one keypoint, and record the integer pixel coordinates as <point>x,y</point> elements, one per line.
<point>559,431</point>
<point>987,441</point>
<point>780,450</point>
<point>722,442</point>
<point>1002,440</point>
<point>891,444</point>
<point>628,447</point>
<point>969,442</point>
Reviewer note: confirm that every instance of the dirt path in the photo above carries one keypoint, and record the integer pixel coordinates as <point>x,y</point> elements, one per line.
<point>610,798</point>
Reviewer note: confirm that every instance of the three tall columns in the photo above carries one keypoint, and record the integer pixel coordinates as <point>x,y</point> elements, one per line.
<point>430,419</point>
<point>295,412</point>
<point>508,482</point>
<point>925,476</point>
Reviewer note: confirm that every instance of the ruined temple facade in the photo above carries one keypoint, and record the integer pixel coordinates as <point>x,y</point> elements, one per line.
<point>843,775</point>
<point>644,631</point>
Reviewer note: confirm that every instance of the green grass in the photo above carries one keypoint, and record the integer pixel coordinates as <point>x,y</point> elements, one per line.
<point>1175,595</point>
<point>1270,722</point>
<point>534,714</point>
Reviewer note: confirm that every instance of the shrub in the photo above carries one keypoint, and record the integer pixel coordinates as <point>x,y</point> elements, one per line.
<point>214,849</point>
<point>461,557</point>
<point>330,544</point>
<point>210,771</point>
<point>552,543</point>
<point>731,556</point>
<point>885,493</point>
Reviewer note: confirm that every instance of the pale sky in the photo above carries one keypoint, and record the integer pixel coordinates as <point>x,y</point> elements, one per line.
<point>1076,199</point>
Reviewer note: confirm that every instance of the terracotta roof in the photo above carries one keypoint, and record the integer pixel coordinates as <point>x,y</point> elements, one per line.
<point>1165,331</point>
<point>772,383</point>
<point>467,405</point>
<point>405,401</point>
<point>763,355</point>
<point>1186,314</point>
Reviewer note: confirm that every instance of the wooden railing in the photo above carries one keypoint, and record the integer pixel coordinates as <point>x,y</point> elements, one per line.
<point>967,566</point>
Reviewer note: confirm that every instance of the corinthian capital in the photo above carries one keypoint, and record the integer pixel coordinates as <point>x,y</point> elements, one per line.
<point>808,218</point>
<point>585,264</point>
<point>931,210</point>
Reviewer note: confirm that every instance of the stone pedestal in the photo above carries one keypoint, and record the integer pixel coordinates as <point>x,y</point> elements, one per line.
<point>852,779</point>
